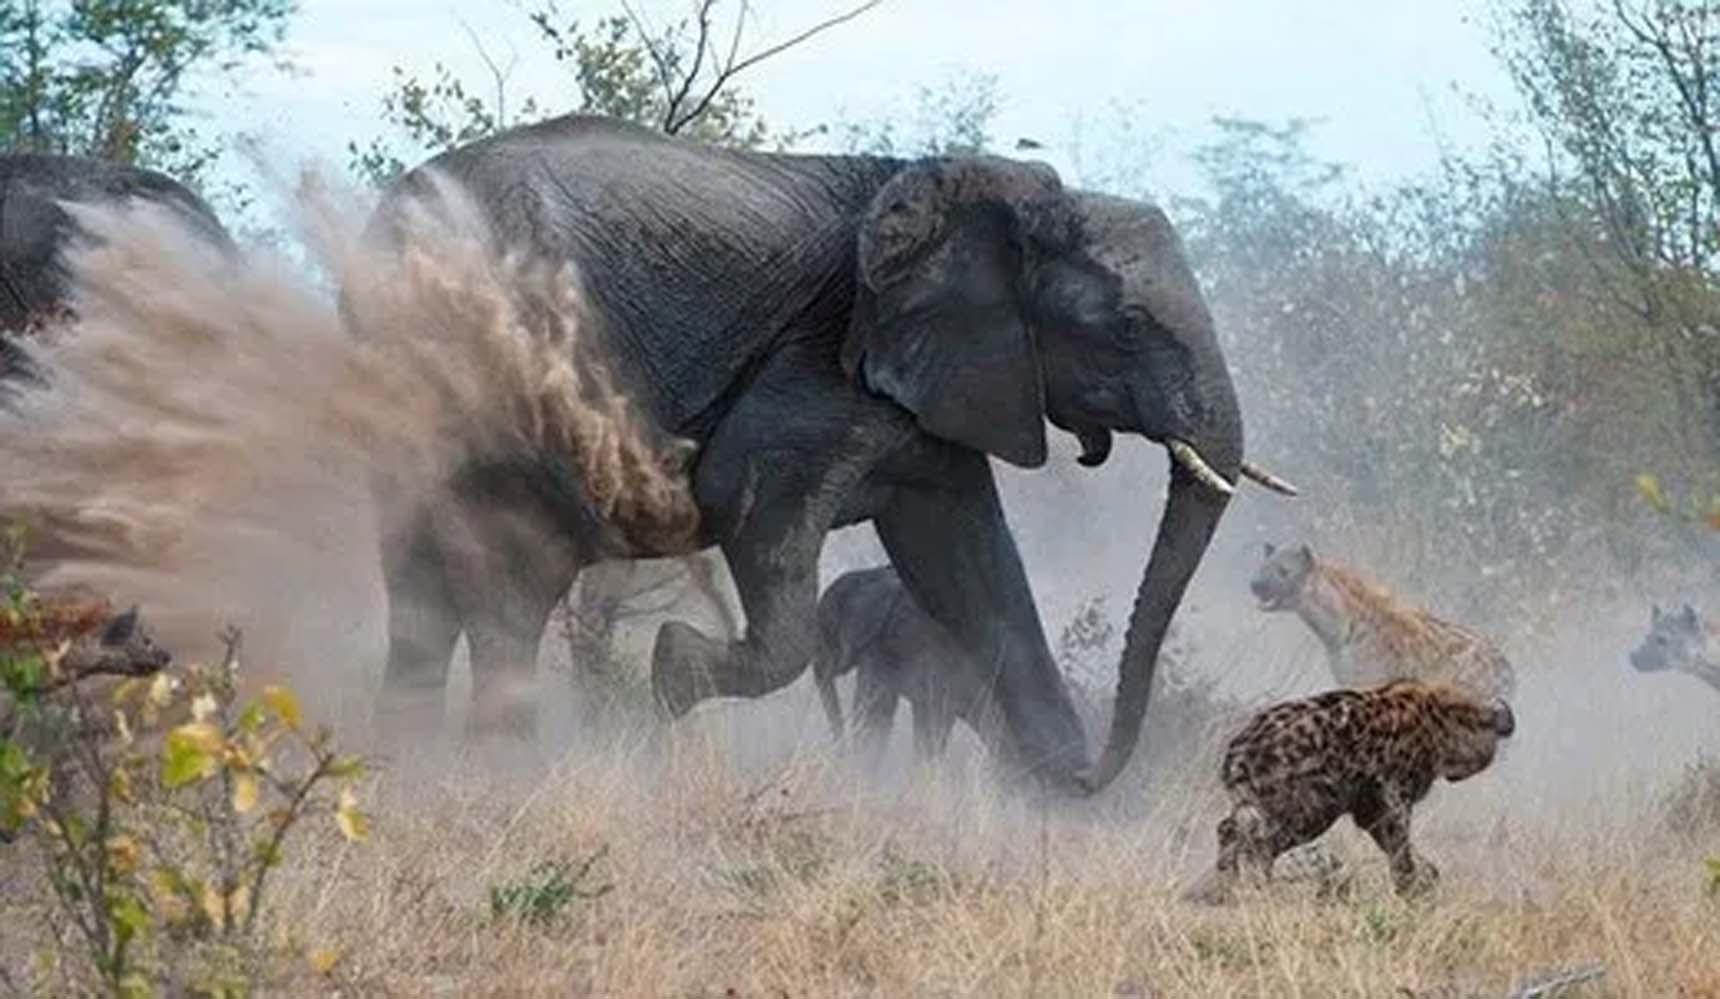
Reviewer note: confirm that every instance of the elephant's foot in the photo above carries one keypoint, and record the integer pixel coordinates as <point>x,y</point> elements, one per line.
<point>406,718</point>
<point>684,668</point>
<point>1213,888</point>
<point>505,710</point>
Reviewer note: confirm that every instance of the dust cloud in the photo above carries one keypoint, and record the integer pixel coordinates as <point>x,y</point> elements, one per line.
<point>214,426</point>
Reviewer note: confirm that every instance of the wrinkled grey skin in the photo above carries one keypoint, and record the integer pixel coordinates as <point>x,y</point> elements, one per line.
<point>35,229</point>
<point>846,339</point>
<point>1677,640</point>
<point>869,624</point>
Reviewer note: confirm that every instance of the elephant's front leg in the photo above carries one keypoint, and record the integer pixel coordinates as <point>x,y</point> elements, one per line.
<point>770,483</point>
<point>944,529</point>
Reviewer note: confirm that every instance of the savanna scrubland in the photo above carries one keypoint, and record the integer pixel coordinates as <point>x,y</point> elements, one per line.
<point>1495,385</point>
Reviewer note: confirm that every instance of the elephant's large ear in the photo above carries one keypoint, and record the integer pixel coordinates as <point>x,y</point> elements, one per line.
<point>938,320</point>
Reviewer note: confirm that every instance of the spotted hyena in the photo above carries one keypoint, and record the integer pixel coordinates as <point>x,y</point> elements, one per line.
<point>1677,640</point>
<point>80,633</point>
<point>1370,754</point>
<point>84,632</point>
<point>1370,636</point>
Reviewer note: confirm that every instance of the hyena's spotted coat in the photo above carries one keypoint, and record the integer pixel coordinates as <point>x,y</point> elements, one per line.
<point>1370,754</point>
<point>1370,636</point>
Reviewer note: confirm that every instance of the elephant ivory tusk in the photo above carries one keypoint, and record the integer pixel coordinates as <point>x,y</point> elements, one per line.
<point>1189,458</point>
<point>1268,480</point>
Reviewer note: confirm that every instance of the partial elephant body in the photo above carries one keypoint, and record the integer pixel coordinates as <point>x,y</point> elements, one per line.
<point>35,288</point>
<point>35,229</point>
<point>844,339</point>
<point>869,624</point>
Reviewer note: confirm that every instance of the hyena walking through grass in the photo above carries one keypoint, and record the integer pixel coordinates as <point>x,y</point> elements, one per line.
<point>1370,636</point>
<point>1298,766</point>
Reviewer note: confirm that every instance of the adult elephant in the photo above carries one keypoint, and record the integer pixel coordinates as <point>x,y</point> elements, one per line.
<point>846,339</point>
<point>35,286</point>
<point>35,228</point>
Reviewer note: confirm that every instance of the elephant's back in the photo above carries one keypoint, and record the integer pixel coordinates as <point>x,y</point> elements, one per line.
<point>694,255</point>
<point>34,228</point>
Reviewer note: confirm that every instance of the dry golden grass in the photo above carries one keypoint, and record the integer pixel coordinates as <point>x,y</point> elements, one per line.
<point>802,877</point>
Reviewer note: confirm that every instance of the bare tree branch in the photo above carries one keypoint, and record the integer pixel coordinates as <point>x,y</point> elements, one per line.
<point>652,48</point>
<point>733,68</point>
<point>674,97</point>
<point>498,75</point>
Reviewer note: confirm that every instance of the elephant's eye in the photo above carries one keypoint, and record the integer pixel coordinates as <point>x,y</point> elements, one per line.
<point>1139,320</point>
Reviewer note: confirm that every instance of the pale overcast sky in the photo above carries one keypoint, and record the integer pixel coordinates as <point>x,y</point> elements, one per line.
<point>1378,71</point>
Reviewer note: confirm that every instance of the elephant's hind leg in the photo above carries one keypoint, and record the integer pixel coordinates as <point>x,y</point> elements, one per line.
<point>507,565</point>
<point>423,625</point>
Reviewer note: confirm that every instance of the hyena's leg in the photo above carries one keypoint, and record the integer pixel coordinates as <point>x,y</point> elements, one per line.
<point>1244,850</point>
<point>1385,818</point>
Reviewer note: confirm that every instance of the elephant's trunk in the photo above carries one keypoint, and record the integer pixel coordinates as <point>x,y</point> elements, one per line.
<point>1192,513</point>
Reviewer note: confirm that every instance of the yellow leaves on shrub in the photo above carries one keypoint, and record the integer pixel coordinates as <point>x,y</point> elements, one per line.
<point>191,754</point>
<point>251,719</point>
<point>168,891</point>
<point>353,824</point>
<point>135,986</point>
<point>244,792</point>
<point>322,959</point>
<point>119,785</point>
<point>203,707</point>
<point>285,705</point>
<point>1649,488</point>
<point>161,689</point>
<point>217,908</point>
<point>123,855</point>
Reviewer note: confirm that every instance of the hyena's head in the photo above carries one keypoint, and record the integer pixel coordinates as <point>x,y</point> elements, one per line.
<point>123,647</point>
<point>1279,582</point>
<point>1676,640</point>
<point>1469,731</point>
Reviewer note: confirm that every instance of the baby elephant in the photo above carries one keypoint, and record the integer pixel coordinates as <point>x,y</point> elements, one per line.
<point>868,623</point>
<point>1370,754</point>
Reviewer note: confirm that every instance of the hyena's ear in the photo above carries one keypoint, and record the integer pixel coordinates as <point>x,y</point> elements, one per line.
<point>1654,613</point>
<point>121,628</point>
<point>1270,548</point>
<point>1689,615</point>
<point>1305,555</point>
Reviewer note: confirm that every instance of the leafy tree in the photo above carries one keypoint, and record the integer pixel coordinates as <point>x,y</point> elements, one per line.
<point>951,118</point>
<point>680,79</point>
<point>112,78</point>
<point>1625,96</point>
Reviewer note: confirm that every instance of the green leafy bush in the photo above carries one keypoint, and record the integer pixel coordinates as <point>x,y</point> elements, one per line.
<point>156,847</point>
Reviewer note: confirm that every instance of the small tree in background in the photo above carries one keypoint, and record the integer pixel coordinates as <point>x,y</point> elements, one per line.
<point>951,118</point>
<point>681,79</point>
<point>113,78</point>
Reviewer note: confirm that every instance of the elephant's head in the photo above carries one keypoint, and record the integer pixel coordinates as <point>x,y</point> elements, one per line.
<point>992,300</point>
